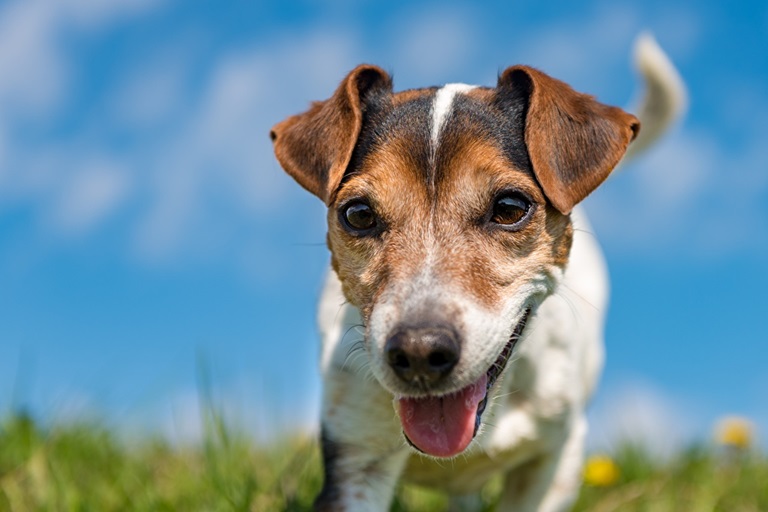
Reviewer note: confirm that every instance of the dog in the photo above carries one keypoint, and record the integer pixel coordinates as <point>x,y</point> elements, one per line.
<point>462,322</point>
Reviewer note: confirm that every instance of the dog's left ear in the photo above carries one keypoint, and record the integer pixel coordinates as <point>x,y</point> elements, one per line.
<point>573,141</point>
<point>315,147</point>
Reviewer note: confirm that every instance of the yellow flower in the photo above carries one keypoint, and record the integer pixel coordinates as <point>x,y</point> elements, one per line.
<point>600,471</point>
<point>734,431</point>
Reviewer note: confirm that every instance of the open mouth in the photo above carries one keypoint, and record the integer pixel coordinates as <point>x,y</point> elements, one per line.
<point>443,426</point>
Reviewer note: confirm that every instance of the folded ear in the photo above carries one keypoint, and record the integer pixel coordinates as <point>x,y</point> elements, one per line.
<point>573,141</point>
<point>315,147</point>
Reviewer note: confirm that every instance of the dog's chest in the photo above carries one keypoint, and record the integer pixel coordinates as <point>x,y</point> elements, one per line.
<point>468,473</point>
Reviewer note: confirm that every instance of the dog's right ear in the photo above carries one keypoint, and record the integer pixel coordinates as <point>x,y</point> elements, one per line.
<point>573,141</point>
<point>315,147</point>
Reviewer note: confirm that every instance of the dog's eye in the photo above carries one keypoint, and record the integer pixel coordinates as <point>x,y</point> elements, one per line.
<point>359,216</point>
<point>510,210</point>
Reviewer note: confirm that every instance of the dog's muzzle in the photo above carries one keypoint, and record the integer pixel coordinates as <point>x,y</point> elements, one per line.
<point>442,425</point>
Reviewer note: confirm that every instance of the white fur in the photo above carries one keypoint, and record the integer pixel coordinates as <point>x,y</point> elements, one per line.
<point>535,426</point>
<point>665,98</point>
<point>442,106</point>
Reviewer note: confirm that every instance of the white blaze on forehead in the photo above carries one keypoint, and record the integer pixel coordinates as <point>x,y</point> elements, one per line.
<point>441,107</point>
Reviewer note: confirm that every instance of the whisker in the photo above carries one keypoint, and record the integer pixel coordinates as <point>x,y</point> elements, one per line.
<point>354,350</point>
<point>505,395</point>
<point>350,328</point>
<point>564,285</point>
<point>585,231</point>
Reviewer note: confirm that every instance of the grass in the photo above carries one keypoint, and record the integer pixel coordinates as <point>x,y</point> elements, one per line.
<point>85,467</point>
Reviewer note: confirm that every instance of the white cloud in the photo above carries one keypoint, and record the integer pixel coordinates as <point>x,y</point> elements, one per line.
<point>690,187</point>
<point>211,160</point>
<point>3,150</point>
<point>95,14</point>
<point>433,45</point>
<point>638,412</point>
<point>34,70</point>
<point>223,147</point>
<point>90,195</point>
<point>35,76</point>
<point>681,27</point>
<point>70,405</point>
<point>184,422</point>
<point>74,190</point>
<point>654,197</point>
<point>588,51</point>
<point>153,94</point>
<point>184,416</point>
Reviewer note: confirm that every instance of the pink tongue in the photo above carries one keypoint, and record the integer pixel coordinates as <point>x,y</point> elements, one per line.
<point>443,426</point>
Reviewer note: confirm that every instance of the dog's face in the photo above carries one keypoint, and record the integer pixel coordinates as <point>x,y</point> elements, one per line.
<point>448,223</point>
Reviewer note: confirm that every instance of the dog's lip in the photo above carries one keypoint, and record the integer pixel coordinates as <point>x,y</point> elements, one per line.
<point>493,372</point>
<point>500,364</point>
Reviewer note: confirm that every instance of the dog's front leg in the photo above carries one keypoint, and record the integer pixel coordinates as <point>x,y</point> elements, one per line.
<point>363,451</point>
<point>550,482</point>
<point>357,481</point>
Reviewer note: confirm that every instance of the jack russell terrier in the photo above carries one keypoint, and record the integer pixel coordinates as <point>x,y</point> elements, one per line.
<point>462,324</point>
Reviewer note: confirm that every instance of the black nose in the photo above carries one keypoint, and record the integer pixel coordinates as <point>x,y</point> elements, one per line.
<point>422,354</point>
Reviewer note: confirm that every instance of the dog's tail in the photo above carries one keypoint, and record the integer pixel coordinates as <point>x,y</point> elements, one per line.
<point>665,99</point>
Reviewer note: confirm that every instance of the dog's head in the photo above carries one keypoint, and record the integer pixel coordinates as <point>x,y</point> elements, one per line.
<point>448,222</point>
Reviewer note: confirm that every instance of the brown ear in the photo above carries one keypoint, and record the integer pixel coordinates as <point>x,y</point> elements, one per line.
<point>573,141</point>
<point>315,147</point>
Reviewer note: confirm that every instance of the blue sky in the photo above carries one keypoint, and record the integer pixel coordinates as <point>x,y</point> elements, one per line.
<point>146,229</point>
